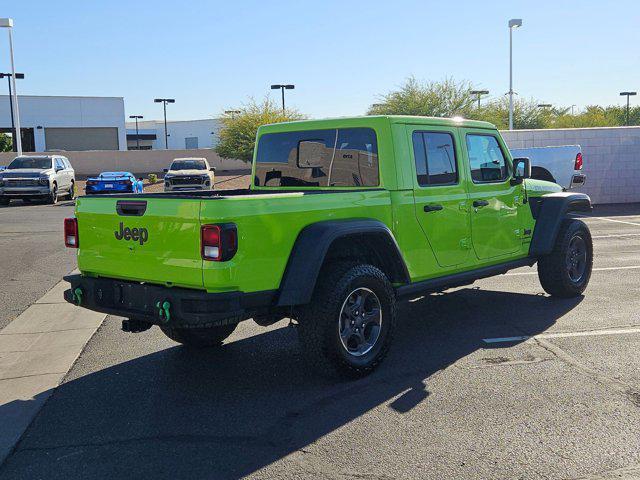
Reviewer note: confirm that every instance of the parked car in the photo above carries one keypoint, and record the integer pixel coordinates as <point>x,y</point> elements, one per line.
<point>561,165</point>
<point>344,218</point>
<point>45,177</point>
<point>189,174</point>
<point>112,182</point>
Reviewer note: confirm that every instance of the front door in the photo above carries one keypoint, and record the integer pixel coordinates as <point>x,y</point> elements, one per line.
<point>62,175</point>
<point>494,201</point>
<point>440,194</point>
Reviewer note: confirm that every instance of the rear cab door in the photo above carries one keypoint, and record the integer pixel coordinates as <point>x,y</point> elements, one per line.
<point>495,224</point>
<point>440,192</point>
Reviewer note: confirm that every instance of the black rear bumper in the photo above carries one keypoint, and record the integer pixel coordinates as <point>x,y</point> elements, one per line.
<point>160,305</point>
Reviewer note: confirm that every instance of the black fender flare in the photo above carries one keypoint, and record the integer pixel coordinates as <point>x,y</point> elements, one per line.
<point>549,211</point>
<point>311,248</point>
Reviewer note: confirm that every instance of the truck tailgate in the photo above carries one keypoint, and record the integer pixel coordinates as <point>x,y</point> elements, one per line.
<point>150,239</point>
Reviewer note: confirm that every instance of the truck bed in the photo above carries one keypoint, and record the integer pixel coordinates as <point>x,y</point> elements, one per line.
<point>268,222</point>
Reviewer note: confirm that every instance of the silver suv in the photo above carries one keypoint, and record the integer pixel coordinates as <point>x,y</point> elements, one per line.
<point>37,177</point>
<point>189,174</point>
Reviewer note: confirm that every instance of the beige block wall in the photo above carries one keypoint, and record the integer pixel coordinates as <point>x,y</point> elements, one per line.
<point>142,162</point>
<point>611,158</point>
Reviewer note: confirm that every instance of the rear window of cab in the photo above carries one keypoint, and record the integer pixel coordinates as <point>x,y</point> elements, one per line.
<point>343,157</point>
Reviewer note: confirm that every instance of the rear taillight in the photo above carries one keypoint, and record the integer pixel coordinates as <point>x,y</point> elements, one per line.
<point>218,243</point>
<point>91,183</point>
<point>578,164</point>
<point>71,238</point>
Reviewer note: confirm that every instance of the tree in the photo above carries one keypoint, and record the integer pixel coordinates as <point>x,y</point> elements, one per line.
<point>6,143</point>
<point>447,98</point>
<point>450,98</point>
<point>238,131</point>
<point>526,114</point>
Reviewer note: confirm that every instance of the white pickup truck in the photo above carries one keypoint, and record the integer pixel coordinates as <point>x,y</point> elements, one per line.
<point>561,165</point>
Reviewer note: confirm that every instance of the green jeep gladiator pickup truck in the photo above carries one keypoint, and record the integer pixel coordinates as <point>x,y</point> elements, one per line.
<point>344,217</point>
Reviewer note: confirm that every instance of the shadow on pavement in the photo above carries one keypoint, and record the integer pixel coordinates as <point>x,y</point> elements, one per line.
<point>225,414</point>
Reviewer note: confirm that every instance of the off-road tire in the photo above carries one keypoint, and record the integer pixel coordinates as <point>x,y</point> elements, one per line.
<point>318,322</point>
<point>199,337</point>
<point>553,269</point>
<point>52,199</point>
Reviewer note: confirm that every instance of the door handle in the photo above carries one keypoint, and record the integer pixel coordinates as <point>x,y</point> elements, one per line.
<point>432,208</point>
<point>480,203</point>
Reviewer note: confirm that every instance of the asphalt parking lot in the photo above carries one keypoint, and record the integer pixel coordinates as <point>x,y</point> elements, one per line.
<point>494,380</point>
<point>32,253</point>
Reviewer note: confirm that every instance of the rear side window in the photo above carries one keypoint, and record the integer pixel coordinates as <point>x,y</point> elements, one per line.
<point>345,157</point>
<point>60,163</point>
<point>435,158</point>
<point>486,160</point>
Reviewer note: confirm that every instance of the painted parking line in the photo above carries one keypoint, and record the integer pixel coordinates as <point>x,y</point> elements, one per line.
<point>589,333</point>
<point>608,219</point>
<point>601,269</point>
<point>617,235</point>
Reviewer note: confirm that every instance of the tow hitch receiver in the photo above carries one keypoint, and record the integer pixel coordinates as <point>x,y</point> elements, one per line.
<point>132,325</point>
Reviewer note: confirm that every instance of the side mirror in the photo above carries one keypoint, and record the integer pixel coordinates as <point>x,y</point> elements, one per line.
<point>521,170</point>
<point>59,169</point>
<point>165,170</point>
<point>213,169</point>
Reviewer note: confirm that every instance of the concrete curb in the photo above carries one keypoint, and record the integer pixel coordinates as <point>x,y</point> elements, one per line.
<point>37,349</point>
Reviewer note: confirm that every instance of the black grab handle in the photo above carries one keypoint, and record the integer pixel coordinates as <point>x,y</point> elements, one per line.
<point>480,203</point>
<point>432,208</point>
<point>129,208</point>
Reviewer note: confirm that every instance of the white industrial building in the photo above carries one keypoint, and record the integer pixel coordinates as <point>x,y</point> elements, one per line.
<point>57,123</point>
<point>182,135</point>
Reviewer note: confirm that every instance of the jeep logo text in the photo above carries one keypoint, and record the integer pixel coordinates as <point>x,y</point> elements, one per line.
<point>136,234</point>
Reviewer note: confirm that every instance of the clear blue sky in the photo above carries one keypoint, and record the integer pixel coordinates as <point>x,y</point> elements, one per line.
<point>213,55</point>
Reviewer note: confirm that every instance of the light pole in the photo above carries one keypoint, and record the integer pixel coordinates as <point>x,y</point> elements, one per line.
<point>513,23</point>
<point>544,105</point>
<point>8,24</point>
<point>479,93</point>
<point>628,94</point>
<point>13,125</point>
<point>164,102</point>
<point>232,113</point>
<point>572,107</point>
<point>283,88</point>
<point>137,136</point>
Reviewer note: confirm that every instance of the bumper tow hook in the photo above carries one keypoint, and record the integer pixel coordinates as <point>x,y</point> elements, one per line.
<point>164,311</point>
<point>77,296</point>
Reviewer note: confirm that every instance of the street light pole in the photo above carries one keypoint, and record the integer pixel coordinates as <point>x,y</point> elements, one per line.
<point>513,23</point>
<point>479,93</point>
<point>283,88</point>
<point>137,135</point>
<point>164,102</point>
<point>8,24</point>
<point>628,94</point>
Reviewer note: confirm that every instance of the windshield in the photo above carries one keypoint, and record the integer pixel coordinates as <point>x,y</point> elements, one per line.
<point>344,157</point>
<point>188,165</point>
<point>27,162</point>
